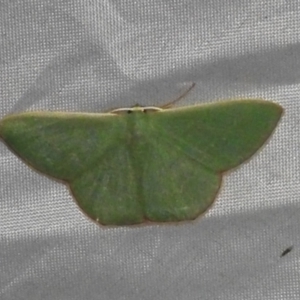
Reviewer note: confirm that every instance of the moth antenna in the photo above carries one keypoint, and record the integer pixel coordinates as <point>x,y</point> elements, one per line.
<point>170,104</point>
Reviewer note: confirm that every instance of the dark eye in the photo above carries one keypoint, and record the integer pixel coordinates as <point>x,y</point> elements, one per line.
<point>129,111</point>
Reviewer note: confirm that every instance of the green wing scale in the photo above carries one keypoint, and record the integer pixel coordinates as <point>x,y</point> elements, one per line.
<point>129,168</point>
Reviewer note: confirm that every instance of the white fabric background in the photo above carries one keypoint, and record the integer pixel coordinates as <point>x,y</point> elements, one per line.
<point>95,55</point>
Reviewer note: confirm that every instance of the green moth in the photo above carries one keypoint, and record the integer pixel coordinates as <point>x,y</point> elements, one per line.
<point>141,164</point>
